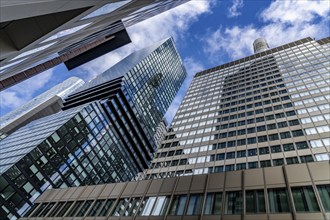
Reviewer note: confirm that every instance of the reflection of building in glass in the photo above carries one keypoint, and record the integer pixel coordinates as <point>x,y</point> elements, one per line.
<point>38,35</point>
<point>105,133</point>
<point>257,128</point>
<point>43,105</point>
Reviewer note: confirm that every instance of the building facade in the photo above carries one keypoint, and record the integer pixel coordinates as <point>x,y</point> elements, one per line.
<point>268,109</point>
<point>249,141</point>
<point>296,191</point>
<point>105,133</point>
<point>45,104</point>
<point>38,35</point>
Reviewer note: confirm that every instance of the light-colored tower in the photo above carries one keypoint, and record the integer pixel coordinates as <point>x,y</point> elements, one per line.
<point>260,45</point>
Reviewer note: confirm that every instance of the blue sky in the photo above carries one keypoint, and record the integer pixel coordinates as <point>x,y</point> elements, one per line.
<point>207,33</point>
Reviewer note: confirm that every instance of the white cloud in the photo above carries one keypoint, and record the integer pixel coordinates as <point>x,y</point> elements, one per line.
<point>173,23</point>
<point>233,10</point>
<point>19,94</point>
<point>283,23</point>
<point>192,67</point>
<point>294,12</point>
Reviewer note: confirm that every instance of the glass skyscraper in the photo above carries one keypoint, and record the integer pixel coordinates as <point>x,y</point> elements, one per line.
<point>105,134</point>
<point>249,141</point>
<point>43,105</point>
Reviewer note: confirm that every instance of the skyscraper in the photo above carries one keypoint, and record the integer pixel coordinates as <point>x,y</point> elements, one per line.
<point>38,35</point>
<point>249,141</point>
<point>105,134</point>
<point>43,105</point>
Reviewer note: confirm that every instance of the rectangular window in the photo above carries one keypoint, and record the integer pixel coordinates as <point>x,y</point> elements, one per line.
<point>265,163</point>
<point>84,208</point>
<point>278,200</point>
<point>304,199</point>
<point>160,206</point>
<point>306,159</point>
<point>297,133</point>
<point>195,204</point>
<point>106,208</point>
<point>233,202</point>
<point>273,137</point>
<point>241,153</point>
<point>278,162</point>
<point>255,201</point>
<point>292,160</point>
<point>262,139</point>
<point>253,165</point>
<point>285,135</point>
<point>75,208</point>
<point>96,208</point>
<point>263,150</point>
<point>177,206</point>
<point>241,166</point>
<point>288,147</point>
<point>324,192</point>
<point>213,204</point>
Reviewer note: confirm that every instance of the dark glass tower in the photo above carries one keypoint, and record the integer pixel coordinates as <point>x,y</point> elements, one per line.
<point>105,134</point>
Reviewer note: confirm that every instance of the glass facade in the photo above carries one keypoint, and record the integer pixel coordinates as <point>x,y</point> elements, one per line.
<point>106,139</point>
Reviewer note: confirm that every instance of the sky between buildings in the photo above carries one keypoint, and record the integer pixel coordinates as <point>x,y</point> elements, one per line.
<point>207,33</point>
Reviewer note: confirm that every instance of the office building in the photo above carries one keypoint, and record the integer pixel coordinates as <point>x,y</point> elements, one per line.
<point>38,35</point>
<point>45,104</point>
<point>249,141</point>
<point>105,133</point>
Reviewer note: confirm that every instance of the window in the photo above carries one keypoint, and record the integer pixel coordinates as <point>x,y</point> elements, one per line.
<point>261,128</point>
<point>253,165</point>
<point>321,157</point>
<point>306,159</point>
<point>304,199</point>
<point>297,133</point>
<point>195,204</point>
<point>271,126</point>
<point>213,204</point>
<point>278,162</point>
<point>285,135</point>
<point>160,206</point>
<point>301,145</point>
<point>282,124</point>
<point>218,169</point>
<point>251,130</point>
<point>233,202</point>
<point>273,137</point>
<point>294,122</point>
<point>288,147</point>
<point>230,155</point>
<point>276,148</point>
<point>241,153</point>
<point>230,167</point>
<point>84,208</point>
<point>262,139</point>
<point>62,211</point>
<point>177,206</point>
<point>241,166</point>
<point>75,208</point>
<point>255,201</point>
<point>324,192</point>
<point>278,200</point>
<point>106,208</point>
<point>265,163</point>
<point>292,160</point>
<point>252,140</point>
<point>263,150</point>
<point>121,206</point>
<point>96,208</point>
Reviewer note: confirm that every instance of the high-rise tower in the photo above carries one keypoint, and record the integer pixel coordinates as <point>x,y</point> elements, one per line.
<point>105,134</point>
